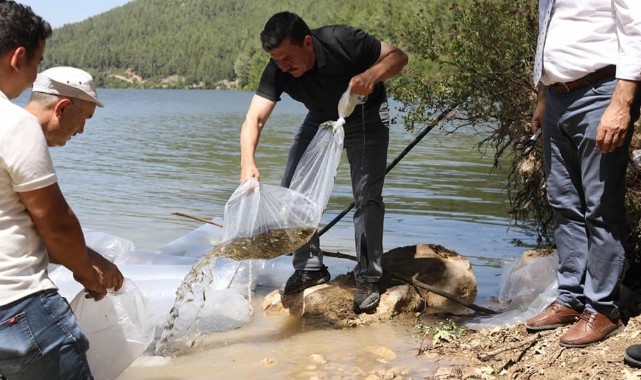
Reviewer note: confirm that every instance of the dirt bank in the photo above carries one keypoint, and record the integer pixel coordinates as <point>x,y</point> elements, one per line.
<point>513,353</point>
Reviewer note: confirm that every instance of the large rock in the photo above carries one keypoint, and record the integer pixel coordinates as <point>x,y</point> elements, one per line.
<point>444,270</point>
<point>437,267</point>
<point>331,303</point>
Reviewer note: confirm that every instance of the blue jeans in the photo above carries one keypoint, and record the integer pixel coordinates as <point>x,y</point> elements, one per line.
<point>586,190</point>
<point>41,339</point>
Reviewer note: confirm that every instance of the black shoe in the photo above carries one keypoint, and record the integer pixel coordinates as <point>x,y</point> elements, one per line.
<point>632,355</point>
<point>303,279</point>
<point>367,297</point>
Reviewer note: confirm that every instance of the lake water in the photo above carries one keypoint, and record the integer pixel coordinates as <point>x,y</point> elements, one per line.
<point>150,153</point>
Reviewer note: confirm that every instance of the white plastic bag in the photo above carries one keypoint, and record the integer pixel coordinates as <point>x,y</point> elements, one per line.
<point>348,102</point>
<point>116,328</point>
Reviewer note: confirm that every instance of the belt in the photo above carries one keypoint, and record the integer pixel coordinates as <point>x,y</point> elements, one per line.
<point>592,78</point>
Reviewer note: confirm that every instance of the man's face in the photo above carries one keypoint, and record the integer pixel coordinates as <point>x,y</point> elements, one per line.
<point>293,59</point>
<point>70,119</point>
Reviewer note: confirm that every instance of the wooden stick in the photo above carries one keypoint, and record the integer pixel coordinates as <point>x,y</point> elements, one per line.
<point>513,346</point>
<point>339,255</point>
<point>197,218</point>
<point>441,293</point>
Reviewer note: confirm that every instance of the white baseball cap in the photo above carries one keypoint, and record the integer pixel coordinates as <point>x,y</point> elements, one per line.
<point>67,81</point>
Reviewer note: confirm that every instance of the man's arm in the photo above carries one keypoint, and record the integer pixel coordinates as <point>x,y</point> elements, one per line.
<point>389,63</point>
<point>62,236</point>
<point>257,115</point>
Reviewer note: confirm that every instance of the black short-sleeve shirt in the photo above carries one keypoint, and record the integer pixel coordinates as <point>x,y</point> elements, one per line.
<point>341,53</point>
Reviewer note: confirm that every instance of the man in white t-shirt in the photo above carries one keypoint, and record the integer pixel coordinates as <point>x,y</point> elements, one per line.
<point>39,336</point>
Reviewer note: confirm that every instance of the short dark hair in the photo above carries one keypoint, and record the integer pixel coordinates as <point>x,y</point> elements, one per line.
<point>19,26</point>
<point>283,25</point>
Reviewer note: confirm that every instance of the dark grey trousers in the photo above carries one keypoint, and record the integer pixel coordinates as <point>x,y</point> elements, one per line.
<point>366,142</point>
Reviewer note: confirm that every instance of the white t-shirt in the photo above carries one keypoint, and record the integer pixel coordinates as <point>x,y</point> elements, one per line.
<point>25,165</point>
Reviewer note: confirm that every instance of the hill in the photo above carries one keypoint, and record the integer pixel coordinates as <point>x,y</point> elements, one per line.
<point>203,43</point>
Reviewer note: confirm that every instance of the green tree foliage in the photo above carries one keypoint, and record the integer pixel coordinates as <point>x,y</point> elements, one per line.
<point>479,62</point>
<point>477,57</point>
<point>199,43</point>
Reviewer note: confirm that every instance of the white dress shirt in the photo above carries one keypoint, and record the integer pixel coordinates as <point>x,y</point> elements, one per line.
<point>586,35</point>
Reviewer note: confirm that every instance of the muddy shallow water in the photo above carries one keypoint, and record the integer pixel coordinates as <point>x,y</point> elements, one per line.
<point>284,347</point>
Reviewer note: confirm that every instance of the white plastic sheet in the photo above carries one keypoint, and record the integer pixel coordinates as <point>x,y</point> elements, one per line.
<point>527,286</point>
<point>109,246</point>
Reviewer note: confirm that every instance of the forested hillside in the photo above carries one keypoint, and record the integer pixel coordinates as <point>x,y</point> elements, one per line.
<point>203,43</point>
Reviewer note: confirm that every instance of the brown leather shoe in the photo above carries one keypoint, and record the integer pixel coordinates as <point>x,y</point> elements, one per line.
<point>555,315</point>
<point>591,328</point>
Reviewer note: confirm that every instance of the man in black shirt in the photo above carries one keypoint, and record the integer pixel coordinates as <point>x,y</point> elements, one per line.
<point>315,67</point>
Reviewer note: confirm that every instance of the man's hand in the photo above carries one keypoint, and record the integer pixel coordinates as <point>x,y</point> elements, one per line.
<point>109,274</point>
<point>613,128</point>
<point>93,285</point>
<point>389,63</point>
<point>362,84</point>
<point>249,171</point>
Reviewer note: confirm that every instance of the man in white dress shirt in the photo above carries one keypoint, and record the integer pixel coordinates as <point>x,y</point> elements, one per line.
<point>588,101</point>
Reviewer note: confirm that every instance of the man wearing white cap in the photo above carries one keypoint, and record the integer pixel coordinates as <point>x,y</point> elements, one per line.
<point>39,335</point>
<point>62,99</point>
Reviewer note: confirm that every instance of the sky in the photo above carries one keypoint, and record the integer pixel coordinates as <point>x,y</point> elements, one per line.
<point>60,12</point>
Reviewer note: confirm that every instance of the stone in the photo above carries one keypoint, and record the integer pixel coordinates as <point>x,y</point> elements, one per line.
<point>438,267</point>
<point>433,265</point>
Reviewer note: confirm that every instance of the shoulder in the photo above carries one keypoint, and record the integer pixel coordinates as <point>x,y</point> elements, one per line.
<point>339,32</point>
<point>16,120</point>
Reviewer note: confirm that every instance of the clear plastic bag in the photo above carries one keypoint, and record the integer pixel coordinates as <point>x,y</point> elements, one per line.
<point>116,327</point>
<point>316,170</point>
<point>528,285</point>
<point>264,221</point>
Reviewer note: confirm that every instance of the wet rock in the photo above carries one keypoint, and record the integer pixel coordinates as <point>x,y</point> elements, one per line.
<point>317,359</point>
<point>383,352</point>
<point>269,362</point>
<point>437,267</point>
<point>433,265</point>
<point>332,303</point>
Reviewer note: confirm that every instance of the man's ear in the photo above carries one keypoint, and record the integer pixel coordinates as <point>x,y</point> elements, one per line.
<point>60,106</point>
<point>308,41</point>
<point>18,58</point>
